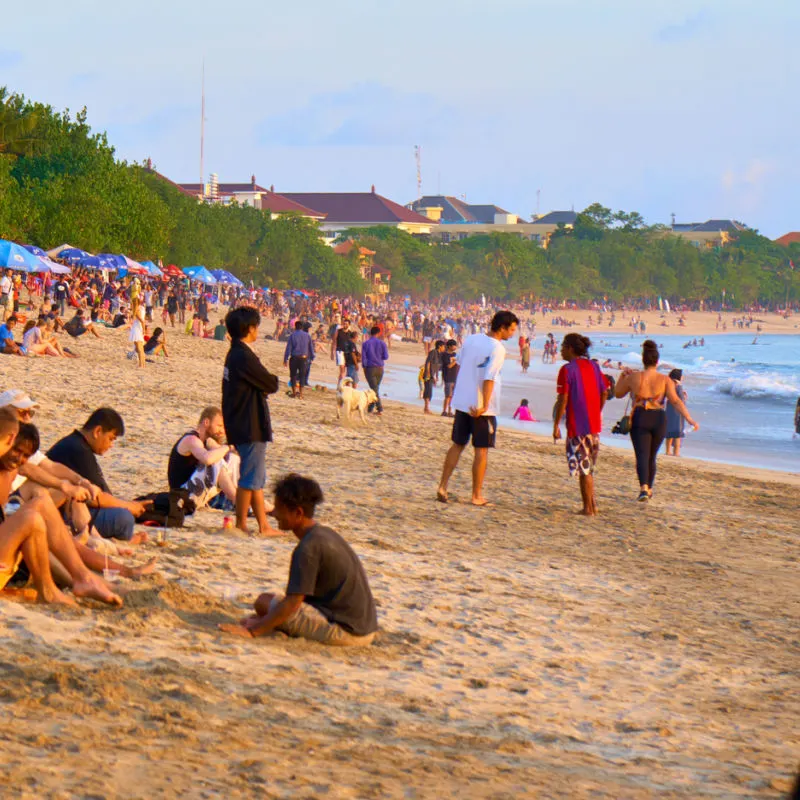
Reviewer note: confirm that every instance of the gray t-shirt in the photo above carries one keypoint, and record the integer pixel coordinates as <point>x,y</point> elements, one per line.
<point>327,571</point>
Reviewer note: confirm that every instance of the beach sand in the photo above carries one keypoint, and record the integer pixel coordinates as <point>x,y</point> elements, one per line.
<point>696,323</point>
<point>524,651</point>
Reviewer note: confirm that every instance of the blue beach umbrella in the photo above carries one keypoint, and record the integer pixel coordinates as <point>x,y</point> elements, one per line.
<point>152,269</point>
<point>16,257</point>
<point>73,255</point>
<point>37,251</point>
<point>200,274</point>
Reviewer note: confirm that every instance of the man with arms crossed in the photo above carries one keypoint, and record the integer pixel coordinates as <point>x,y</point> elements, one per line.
<point>199,464</point>
<point>246,382</point>
<point>476,401</point>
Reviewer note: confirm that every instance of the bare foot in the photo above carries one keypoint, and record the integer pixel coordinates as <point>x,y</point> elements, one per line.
<point>55,595</point>
<point>269,531</point>
<point>441,495</point>
<point>482,502</point>
<point>96,588</point>
<point>138,538</point>
<point>143,569</point>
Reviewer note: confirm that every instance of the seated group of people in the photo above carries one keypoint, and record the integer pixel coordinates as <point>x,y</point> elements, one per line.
<point>58,516</point>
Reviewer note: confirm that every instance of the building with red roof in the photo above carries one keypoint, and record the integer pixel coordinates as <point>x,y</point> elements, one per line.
<point>789,238</point>
<point>345,210</point>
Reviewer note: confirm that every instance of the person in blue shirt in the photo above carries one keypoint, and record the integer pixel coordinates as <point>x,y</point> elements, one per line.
<point>374,354</point>
<point>298,354</point>
<point>7,343</point>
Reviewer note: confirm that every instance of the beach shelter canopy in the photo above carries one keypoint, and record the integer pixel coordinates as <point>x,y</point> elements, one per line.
<point>15,256</point>
<point>172,271</point>
<point>49,266</point>
<point>200,274</point>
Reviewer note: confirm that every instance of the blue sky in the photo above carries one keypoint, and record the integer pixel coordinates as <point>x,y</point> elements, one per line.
<point>647,105</point>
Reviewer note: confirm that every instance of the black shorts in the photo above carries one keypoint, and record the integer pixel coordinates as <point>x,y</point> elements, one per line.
<point>427,392</point>
<point>482,430</point>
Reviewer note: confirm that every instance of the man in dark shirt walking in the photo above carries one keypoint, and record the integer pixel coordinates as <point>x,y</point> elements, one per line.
<point>328,598</point>
<point>430,375</point>
<point>245,386</point>
<point>297,355</point>
<point>374,354</point>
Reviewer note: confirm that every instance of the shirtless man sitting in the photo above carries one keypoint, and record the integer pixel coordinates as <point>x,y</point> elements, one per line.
<point>201,465</point>
<point>57,540</point>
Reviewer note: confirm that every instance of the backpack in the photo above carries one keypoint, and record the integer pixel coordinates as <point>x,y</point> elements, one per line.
<point>169,509</point>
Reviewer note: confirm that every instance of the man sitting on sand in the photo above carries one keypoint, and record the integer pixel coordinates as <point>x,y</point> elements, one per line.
<point>7,343</point>
<point>114,518</point>
<point>72,570</point>
<point>78,325</point>
<point>24,535</point>
<point>328,598</point>
<point>201,465</point>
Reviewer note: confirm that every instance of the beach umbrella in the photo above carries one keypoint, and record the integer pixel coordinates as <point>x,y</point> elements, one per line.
<point>228,278</point>
<point>56,251</point>
<point>71,254</point>
<point>200,274</point>
<point>56,269</point>
<point>37,251</point>
<point>16,257</point>
<point>152,269</point>
<point>92,262</point>
<point>133,266</point>
<point>172,271</point>
<point>113,261</point>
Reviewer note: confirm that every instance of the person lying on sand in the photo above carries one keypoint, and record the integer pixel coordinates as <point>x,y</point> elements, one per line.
<point>199,464</point>
<point>68,565</point>
<point>113,517</point>
<point>327,598</point>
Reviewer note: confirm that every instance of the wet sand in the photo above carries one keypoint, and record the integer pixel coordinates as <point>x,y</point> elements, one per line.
<point>524,651</point>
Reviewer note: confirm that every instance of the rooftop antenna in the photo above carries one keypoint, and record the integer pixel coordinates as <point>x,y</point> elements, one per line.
<point>418,159</point>
<point>673,219</point>
<point>202,127</point>
<point>538,198</point>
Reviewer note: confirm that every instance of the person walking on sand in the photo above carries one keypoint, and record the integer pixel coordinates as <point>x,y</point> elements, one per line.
<point>649,391</point>
<point>675,421</point>
<point>582,393</point>
<point>245,412</point>
<point>476,401</point>
<point>374,354</point>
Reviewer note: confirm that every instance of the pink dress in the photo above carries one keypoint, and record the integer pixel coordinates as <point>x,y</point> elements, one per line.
<point>523,413</point>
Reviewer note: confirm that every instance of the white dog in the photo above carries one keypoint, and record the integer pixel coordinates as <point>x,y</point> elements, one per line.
<point>351,399</point>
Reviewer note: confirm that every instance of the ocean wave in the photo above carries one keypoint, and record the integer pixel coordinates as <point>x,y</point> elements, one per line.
<point>758,387</point>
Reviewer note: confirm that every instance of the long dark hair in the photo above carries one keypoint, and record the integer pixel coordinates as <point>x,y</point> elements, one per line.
<point>650,354</point>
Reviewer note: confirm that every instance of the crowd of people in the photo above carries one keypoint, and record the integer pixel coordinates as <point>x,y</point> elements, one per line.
<point>67,520</point>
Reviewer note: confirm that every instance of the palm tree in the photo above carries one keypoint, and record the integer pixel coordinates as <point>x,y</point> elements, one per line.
<point>16,127</point>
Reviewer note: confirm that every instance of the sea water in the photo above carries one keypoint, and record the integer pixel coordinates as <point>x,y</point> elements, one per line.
<point>742,389</point>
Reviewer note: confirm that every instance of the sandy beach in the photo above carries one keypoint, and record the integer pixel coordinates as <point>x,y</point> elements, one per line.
<point>696,323</point>
<point>524,651</point>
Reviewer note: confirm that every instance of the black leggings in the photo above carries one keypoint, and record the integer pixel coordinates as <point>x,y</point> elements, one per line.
<point>648,430</point>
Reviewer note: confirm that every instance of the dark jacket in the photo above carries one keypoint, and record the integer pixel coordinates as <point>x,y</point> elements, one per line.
<point>245,385</point>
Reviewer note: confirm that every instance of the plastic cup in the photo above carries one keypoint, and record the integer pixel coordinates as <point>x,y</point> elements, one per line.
<point>111,575</point>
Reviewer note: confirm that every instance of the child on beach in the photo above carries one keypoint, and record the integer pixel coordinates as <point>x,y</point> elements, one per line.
<point>523,413</point>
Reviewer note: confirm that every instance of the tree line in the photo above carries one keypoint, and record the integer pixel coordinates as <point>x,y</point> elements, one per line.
<point>60,182</point>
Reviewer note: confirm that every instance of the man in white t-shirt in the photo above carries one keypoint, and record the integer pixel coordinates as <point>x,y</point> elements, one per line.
<point>476,401</point>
